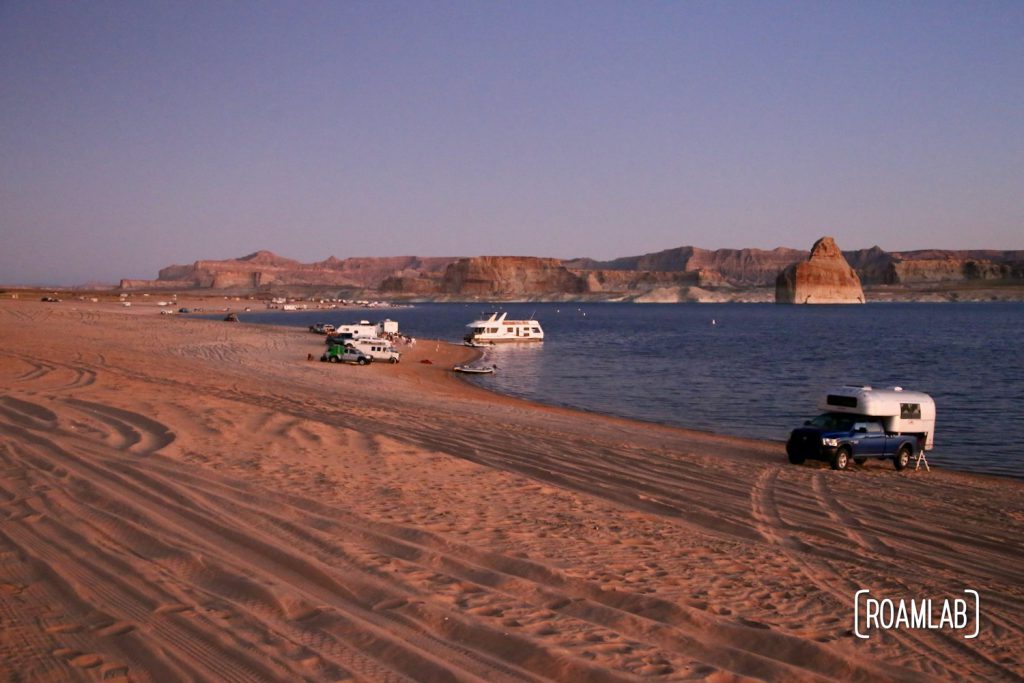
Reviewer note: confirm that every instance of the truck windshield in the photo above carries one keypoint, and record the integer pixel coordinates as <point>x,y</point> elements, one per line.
<point>832,422</point>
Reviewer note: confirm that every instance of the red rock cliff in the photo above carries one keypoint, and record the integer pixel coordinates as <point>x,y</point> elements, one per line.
<point>727,271</point>
<point>266,269</point>
<point>504,276</point>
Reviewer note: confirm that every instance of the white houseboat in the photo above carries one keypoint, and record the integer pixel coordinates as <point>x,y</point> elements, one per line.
<point>498,329</point>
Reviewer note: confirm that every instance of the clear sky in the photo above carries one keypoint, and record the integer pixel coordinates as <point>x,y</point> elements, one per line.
<point>138,134</point>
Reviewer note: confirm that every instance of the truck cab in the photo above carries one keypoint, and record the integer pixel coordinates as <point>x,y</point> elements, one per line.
<point>863,423</point>
<point>321,328</point>
<point>339,353</point>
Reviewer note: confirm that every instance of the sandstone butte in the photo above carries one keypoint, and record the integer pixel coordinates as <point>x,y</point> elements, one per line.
<point>824,278</point>
<point>672,275</point>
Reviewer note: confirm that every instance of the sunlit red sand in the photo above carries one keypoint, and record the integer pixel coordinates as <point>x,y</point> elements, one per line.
<point>184,500</point>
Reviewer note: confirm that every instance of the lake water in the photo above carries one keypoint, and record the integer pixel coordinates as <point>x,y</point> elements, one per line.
<point>754,370</point>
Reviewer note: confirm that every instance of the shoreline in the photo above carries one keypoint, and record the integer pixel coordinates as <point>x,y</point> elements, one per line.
<point>762,445</point>
<point>948,466</point>
<point>176,486</point>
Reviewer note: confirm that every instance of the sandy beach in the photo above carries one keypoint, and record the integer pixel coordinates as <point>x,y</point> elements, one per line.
<point>194,500</point>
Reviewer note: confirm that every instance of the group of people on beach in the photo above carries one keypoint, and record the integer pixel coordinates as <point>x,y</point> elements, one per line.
<point>396,338</point>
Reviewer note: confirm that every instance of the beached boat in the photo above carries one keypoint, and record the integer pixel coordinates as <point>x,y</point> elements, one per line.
<point>497,329</point>
<point>474,369</point>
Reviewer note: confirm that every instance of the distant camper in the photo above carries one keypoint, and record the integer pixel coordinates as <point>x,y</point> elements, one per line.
<point>364,328</point>
<point>378,349</point>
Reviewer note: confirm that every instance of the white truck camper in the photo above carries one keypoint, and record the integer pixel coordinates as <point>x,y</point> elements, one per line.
<point>378,349</point>
<point>910,413</point>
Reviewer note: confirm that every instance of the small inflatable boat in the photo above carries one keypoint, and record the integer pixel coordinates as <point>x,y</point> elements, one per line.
<point>474,369</point>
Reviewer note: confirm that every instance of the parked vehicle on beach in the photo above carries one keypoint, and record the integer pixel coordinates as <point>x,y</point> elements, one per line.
<point>863,423</point>
<point>364,328</point>
<point>498,329</point>
<point>321,328</point>
<point>380,349</point>
<point>338,338</point>
<point>346,354</point>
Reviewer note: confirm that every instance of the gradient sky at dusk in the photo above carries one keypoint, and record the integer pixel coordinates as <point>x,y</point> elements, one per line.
<point>139,134</point>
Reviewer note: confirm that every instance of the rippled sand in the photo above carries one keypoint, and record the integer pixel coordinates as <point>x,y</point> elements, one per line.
<point>193,500</point>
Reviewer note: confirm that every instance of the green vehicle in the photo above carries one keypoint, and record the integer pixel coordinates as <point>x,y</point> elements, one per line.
<point>336,353</point>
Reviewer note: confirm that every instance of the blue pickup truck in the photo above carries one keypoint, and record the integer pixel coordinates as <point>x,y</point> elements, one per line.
<point>838,438</point>
<point>862,422</point>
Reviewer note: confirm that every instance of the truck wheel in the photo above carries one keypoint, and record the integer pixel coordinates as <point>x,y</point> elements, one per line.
<point>333,359</point>
<point>902,458</point>
<point>394,360</point>
<point>860,461</point>
<point>841,458</point>
<point>795,459</point>
<point>361,361</point>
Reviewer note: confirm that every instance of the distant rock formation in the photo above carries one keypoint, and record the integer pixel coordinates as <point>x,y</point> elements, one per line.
<point>739,267</point>
<point>679,274</point>
<point>878,267</point>
<point>824,278</point>
<point>129,285</point>
<point>264,270</point>
<point>529,277</point>
<point>520,276</point>
<point>874,266</point>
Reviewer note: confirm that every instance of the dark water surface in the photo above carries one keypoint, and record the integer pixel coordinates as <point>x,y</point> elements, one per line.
<point>760,369</point>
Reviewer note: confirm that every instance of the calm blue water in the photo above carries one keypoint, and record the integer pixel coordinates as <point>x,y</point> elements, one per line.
<point>760,370</point>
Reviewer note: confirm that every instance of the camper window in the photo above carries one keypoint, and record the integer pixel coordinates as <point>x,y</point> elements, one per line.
<point>910,411</point>
<point>844,401</point>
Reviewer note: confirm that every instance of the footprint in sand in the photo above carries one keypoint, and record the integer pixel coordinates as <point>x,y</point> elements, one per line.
<point>116,629</point>
<point>87,661</point>
<point>115,673</point>
<point>394,603</point>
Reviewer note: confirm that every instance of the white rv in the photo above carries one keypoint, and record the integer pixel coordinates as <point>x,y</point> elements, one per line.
<point>364,328</point>
<point>378,349</point>
<point>909,413</point>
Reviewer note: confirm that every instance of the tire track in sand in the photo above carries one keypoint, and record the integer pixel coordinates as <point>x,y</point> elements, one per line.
<point>939,652</point>
<point>372,630</point>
